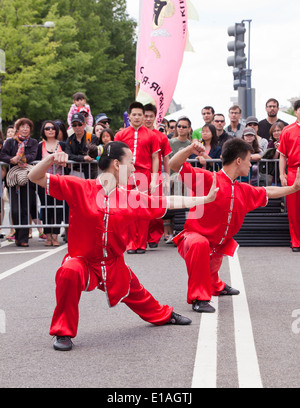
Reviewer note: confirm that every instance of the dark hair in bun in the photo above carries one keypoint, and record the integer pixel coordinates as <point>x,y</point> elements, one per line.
<point>105,155</point>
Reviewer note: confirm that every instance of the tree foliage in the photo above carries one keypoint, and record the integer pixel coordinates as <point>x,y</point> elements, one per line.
<point>91,49</point>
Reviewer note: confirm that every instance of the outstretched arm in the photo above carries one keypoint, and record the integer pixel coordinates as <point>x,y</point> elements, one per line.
<point>277,192</point>
<point>178,202</point>
<point>38,174</point>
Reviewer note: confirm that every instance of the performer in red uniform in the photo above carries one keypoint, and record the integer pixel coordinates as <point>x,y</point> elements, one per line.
<point>100,213</point>
<point>208,236</point>
<point>145,148</point>
<point>289,150</point>
<point>156,227</point>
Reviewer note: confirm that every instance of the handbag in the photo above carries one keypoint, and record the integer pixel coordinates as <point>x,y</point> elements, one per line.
<point>18,176</point>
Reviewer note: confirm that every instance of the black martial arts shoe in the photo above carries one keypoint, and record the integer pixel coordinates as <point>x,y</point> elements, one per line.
<point>203,306</point>
<point>63,343</point>
<point>131,251</point>
<point>141,251</point>
<point>153,245</point>
<point>229,291</point>
<point>178,319</point>
<point>296,249</point>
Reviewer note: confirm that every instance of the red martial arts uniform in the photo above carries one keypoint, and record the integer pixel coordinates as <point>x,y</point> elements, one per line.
<point>96,243</point>
<point>290,148</point>
<point>207,238</point>
<point>156,227</point>
<point>143,144</point>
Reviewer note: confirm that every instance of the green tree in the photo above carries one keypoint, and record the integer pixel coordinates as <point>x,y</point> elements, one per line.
<point>91,49</point>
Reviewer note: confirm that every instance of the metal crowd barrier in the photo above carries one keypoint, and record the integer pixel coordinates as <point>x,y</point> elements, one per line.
<point>255,177</point>
<point>90,170</point>
<point>32,200</point>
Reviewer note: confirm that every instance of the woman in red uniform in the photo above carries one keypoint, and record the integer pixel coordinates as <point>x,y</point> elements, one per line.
<point>100,213</point>
<point>208,235</point>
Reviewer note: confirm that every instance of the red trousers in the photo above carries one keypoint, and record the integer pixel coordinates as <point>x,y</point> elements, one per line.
<point>293,209</point>
<point>138,234</point>
<point>156,230</point>
<point>73,277</point>
<point>203,268</point>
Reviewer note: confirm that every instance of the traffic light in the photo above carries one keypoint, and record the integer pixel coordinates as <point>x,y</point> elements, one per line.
<point>238,60</point>
<point>239,78</point>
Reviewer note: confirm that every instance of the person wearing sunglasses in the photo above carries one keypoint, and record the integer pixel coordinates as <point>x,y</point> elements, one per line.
<point>219,123</point>
<point>103,120</point>
<point>181,137</point>
<point>49,212</point>
<point>77,147</point>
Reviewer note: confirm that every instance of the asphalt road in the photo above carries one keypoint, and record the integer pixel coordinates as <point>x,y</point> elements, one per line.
<point>251,343</point>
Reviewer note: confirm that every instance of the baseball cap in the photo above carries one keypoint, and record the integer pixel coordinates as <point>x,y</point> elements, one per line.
<point>77,117</point>
<point>83,109</point>
<point>249,131</point>
<point>251,119</point>
<point>100,117</point>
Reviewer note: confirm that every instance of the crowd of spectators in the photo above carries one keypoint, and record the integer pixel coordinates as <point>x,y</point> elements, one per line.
<point>19,149</point>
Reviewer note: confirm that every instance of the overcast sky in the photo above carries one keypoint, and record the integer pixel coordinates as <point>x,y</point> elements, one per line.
<point>206,79</point>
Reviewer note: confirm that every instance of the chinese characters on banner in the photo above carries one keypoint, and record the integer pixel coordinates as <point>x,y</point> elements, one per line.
<point>161,45</point>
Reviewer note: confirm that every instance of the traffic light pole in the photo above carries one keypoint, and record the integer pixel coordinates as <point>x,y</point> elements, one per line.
<point>242,73</point>
<point>250,109</point>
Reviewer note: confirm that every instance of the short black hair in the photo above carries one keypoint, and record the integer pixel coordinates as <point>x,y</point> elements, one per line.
<point>272,100</point>
<point>297,105</point>
<point>151,108</point>
<point>208,108</point>
<point>184,118</point>
<point>136,105</point>
<point>235,148</point>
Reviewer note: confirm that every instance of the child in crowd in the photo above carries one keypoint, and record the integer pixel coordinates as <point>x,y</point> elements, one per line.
<point>79,100</point>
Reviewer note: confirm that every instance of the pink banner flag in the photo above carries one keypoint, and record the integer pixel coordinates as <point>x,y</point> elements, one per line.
<point>162,40</point>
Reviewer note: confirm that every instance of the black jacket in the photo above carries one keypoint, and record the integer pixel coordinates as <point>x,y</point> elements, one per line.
<point>11,146</point>
<point>76,150</point>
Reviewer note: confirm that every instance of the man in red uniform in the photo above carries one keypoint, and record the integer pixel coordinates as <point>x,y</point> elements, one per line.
<point>289,150</point>
<point>156,227</point>
<point>208,233</point>
<point>145,148</point>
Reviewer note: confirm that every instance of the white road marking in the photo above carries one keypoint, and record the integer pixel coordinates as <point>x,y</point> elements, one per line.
<point>25,251</point>
<point>247,361</point>
<point>205,368</point>
<point>6,243</point>
<point>24,265</point>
